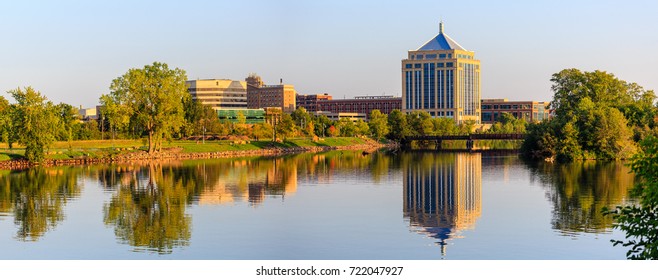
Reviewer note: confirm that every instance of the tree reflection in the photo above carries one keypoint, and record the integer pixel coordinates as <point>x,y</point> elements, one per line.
<point>36,197</point>
<point>580,190</point>
<point>148,207</point>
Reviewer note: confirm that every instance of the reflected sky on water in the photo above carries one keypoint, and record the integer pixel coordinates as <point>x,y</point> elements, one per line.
<point>335,205</point>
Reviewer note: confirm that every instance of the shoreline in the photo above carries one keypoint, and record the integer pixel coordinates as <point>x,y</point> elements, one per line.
<point>177,154</point>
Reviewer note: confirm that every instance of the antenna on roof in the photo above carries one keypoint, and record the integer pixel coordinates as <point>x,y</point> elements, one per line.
<point>441,27</point>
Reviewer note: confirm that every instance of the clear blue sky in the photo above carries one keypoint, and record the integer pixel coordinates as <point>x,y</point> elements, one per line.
<point>71,50</point>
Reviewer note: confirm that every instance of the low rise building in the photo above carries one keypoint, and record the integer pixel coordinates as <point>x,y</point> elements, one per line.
<point>361,104</point>
<point>531,111</point>
<point>336,116</point>
<point>87,114</point>
<point>219,93</point>
<point>310,101</point>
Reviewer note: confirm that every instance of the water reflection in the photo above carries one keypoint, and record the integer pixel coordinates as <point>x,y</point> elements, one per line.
<point>578,192</point>
<point>148,207</point>
<point>442,193</point>
<point>149,200</point>
<point>248,180</point>
<point>36,198</point>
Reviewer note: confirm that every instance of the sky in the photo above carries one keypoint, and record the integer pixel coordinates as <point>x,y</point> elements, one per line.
<point>71,51</point>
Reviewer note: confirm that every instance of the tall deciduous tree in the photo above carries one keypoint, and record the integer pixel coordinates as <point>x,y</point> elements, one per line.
<point>303,120</point>
<point>286,127</point>
<point>115,111</point>
<point>153,99</point>
<point>397,123</point>
<point>35,122</point>
<point>68,119</point>
<point>378,124</point>
<point>6,123</point>
<point>596,116</point>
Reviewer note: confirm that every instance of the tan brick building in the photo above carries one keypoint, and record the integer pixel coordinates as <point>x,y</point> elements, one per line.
<point>260,95</point>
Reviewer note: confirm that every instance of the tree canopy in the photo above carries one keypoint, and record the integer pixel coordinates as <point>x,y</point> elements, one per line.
<point>152,97</point>
<point>35,122</point>
<point>597,116</point>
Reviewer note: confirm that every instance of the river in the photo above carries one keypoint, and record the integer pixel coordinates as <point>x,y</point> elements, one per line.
<point>334,205</point>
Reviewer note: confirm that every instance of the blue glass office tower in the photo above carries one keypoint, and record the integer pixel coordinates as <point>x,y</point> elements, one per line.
<point>442,78</point>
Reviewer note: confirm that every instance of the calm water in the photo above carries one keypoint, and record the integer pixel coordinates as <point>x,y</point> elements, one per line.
<point>337,205</point>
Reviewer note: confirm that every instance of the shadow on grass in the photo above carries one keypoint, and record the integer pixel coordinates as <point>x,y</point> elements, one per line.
<point>10,156</point>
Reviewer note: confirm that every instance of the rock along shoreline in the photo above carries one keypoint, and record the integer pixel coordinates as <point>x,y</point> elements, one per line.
<point>177,154</point>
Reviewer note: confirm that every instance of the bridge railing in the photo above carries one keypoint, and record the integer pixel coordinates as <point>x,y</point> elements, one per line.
<point>472,136</point>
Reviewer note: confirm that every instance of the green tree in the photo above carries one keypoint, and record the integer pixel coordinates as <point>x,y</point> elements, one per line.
<point>361,128</point>
<point>444,126</point>
<point>320,125</point>
<point>286,127</point>
<point>88,131</point>
<point>116,112</point>
<point>68,120</point>
<point>507,123</point>
<point>346,127</point>
<point>35,121</point>
<point>6,120</point>
<point>466,127</point>
<point>567,147</point>
<point>153,97</point>
<point>597,116</point>
<point>420,123</point>
<point>262,131</point>
<point>378,124</point>
<point>639,221</point>
<point>397,123</point>
<point>540,141</point>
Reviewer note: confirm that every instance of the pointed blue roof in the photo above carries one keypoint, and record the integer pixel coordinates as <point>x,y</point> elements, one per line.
<point>441,42</point>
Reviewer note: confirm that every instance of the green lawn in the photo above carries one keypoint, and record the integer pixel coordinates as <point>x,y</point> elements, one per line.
<point>103,148</point>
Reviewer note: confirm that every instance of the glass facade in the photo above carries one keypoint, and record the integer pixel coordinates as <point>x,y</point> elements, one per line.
<point>444,81</point>
<point>417,89</point>
<point>429,86</point>
<point>408,83</point>
<point>441,89</point>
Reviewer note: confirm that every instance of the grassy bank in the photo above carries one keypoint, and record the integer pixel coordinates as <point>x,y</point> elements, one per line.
<point>105,148</point>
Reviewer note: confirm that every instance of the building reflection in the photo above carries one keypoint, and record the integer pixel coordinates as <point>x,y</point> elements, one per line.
<point>250,181</point>
<point>442,193</point>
